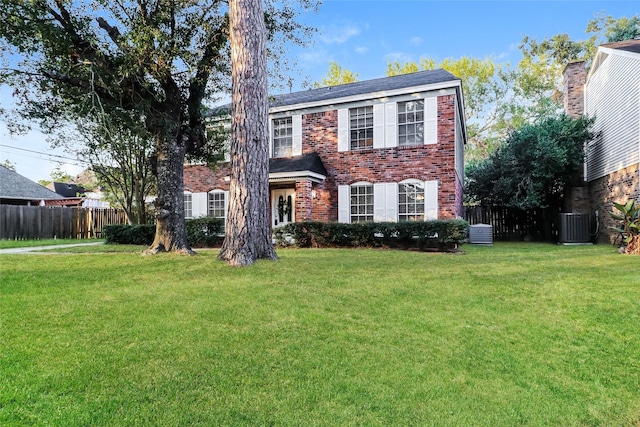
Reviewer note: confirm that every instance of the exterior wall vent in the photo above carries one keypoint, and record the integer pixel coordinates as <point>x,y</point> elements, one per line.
<point>481,234</point>
<point>574,228</point>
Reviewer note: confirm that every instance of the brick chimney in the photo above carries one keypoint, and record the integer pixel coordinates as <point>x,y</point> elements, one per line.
<point>574,78</point>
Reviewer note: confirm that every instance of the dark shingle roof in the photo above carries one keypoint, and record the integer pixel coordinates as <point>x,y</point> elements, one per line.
<point>67,189</point>
<point>420,78</point>
<point>627,45</point>
<point>15,186</point>
<point>307,162</point>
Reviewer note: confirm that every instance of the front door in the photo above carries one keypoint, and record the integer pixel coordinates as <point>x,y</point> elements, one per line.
<point>283,204</point>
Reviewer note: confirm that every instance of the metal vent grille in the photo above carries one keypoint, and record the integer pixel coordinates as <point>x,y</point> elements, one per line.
<point>574,228</point>
<point>481,234</point>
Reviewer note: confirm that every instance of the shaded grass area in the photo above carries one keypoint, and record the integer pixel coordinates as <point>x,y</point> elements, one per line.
<point>100,249</point>
<point>506,335</point>
<point>6,244</point>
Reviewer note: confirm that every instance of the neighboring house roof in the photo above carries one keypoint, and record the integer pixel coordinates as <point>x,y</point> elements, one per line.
<point>383,84</point>
<point>66,189</point>
<point>16,186</point>
<point>627,45</point>
<point>627,48</point>
<point>308,165</point>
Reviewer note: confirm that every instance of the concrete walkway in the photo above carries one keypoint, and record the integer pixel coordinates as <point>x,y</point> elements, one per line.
<point>35,249</point>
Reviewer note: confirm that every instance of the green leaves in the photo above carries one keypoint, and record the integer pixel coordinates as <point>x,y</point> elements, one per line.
<point>533,165</point>
<point>629,217</point>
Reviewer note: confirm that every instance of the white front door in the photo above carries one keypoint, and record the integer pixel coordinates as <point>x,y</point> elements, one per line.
<point>283,203</point>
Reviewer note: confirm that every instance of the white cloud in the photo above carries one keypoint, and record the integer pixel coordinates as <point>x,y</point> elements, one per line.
<point>361,50</point>
<point>400,57</point>
<point>415,41</point>
<point>338,34</point>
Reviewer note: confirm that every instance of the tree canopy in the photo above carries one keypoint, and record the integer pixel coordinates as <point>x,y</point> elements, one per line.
<point>336,76</point>
<point>145,64</point>
<point>533,166</point>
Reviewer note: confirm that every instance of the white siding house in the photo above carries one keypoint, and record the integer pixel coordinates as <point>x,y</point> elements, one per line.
<point>612,96</point>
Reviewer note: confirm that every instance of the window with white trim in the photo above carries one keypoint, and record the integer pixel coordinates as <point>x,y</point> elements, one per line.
<point>216,205</point>
<point>361,203</point>
<point>361,128</point>
<point>411,201</point>
<point>411,122</point>
<point>188,205</point>
<point>282,137</point>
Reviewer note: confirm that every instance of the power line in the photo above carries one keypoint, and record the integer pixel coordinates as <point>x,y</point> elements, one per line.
<point>43,153</point>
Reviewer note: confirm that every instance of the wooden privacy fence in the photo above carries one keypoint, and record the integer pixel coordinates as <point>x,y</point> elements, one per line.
<point>514,224</point>
<point>48,222</point>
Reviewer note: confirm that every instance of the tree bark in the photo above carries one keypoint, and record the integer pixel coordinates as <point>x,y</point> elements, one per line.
<point>171,234</point>
<point>248,228</point>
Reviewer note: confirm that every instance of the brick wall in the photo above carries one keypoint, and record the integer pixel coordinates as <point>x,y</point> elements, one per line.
<point>320,134</point>
<point>202,179</point>
<point>574,78</point>
<point>617,187</point>
<point>423,162</point>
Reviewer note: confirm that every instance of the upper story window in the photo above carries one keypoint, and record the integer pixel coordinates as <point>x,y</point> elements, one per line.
<point>188,205</point>
<point>216,205</point>
<point>361,127</point>
<point>411,201</point>
<point>411,122</point>
<point>282,137</point>
<point>361,203</point>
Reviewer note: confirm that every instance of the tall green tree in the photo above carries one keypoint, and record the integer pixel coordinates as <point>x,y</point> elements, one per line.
<point>533,166</point>
<point>154,62</point>
<point>490,105</point>
<point>336,76</point>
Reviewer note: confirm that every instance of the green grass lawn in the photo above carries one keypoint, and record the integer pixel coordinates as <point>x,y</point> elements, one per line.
<point>515,334</point>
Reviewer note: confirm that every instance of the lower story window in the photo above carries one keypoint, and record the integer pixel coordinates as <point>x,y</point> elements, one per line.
<point>188,205</point>
<point>411,201</point>
<point>361,203</point>
<point>216,205</point>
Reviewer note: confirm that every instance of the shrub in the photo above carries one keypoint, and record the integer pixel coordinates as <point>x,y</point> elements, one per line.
<point>201,232</point>
<point>629,217</point>
<point>204,232</point>
<point>439,234</point>
<point>129,234</point>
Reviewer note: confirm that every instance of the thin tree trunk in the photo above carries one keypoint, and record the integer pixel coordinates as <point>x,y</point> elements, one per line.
<point>170,228</point>
<point>248,228</point>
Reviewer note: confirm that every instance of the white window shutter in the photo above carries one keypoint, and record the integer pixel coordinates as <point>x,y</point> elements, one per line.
<point>226,204</point>
<point>296,122</point>
<point>431,121</point>
<point>343,129</point>
<point>391,200</point>
<point>378,126</point>
<point>430,200</point>
<point>199,203</point>
<point>344,203</point>
<point>270,137</point>
<point>379,204</point>
<point>390,124</point>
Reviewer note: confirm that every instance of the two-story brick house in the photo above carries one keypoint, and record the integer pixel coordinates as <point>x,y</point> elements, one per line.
<point>389,149</point>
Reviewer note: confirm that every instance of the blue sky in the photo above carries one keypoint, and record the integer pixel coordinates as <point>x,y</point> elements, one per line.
<point>363,35</point>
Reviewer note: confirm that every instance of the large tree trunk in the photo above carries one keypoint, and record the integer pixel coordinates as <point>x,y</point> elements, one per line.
<point>248,228</point>
<point>170,228</point>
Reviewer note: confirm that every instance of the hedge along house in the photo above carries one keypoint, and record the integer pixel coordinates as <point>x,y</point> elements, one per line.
<point>389,149</point>
<point>610,92</point>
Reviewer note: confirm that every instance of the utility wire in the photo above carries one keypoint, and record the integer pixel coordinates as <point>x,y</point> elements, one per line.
<point>45,154</point>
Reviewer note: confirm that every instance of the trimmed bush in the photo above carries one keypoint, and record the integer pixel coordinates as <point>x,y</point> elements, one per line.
<point>129,234</point>
<point>201,232</point>
<point>437,234</point>
<point>204,232</point>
